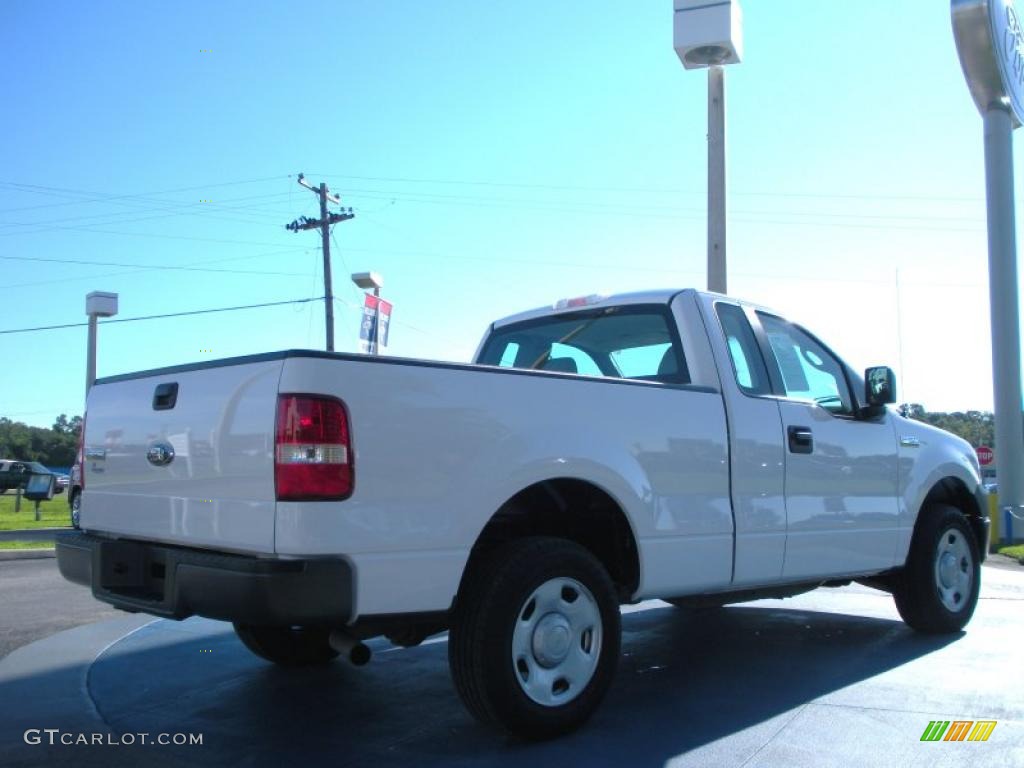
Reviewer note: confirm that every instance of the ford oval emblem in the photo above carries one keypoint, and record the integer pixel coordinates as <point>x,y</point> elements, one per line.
<point>160,454</point>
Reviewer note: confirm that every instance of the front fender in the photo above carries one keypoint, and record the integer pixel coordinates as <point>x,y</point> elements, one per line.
<point>936,456</point>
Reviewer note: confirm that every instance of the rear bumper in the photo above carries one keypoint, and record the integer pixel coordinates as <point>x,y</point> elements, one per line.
<point>177,582</point>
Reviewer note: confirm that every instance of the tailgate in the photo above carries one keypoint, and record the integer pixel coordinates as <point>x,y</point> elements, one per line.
<point>199,472</point>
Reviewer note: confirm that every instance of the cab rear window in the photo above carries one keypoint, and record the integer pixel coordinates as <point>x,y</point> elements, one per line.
<point>617,342</point>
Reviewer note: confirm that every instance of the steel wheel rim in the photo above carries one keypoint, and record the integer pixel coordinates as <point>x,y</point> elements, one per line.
<point>954,570</point>
<point>556,642</point>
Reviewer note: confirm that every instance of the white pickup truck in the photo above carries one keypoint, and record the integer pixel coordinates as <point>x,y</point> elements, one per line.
<point>674,444</point>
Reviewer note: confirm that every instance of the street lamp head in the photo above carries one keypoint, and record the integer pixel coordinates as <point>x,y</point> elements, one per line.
<point>708,34</point>
<point>101,304</point>
<point>368,280</point>
<point>706,56</point>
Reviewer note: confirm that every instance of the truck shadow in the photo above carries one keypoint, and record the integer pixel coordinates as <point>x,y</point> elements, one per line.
<point>685,679</point>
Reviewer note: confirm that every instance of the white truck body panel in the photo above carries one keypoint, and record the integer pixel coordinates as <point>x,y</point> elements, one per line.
<point>219,490</point>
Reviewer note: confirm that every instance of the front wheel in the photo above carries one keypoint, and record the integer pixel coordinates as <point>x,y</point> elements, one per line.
<point>288,646</point>
<point>76,508</point>
<point>937,590</point>
<point>535,638</point>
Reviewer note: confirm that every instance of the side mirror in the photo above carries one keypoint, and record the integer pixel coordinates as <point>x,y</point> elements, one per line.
<point>879,386</point>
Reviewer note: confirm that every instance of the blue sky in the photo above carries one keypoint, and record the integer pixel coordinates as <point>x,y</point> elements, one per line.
<point>499,156</point>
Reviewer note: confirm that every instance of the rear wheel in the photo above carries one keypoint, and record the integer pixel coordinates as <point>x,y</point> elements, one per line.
<point>288,646</point>
<point>937,590</point>
<point>535,638</point>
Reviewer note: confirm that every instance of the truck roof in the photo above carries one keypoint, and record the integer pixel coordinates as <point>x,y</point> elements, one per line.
<point>661,296</point>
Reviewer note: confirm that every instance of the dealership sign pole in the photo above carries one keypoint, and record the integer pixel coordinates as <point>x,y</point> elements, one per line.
<point>990,42</point>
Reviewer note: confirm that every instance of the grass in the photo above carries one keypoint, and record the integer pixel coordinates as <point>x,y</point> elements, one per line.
<point>52,514</point>
<point>1016,551</point>
<point>26,545</point>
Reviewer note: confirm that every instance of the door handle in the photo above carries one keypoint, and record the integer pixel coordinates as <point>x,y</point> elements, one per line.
<point>801,440</point>
<point>165,396</point>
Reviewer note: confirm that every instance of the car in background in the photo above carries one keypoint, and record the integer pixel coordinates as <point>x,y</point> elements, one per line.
<point>8,479</point>
<point>14,474</point>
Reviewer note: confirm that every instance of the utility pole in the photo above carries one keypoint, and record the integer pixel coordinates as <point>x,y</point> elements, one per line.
<point>324,224</point>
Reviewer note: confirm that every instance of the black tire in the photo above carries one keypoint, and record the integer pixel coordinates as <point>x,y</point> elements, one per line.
<point>76,508</point>
<point>288,646</point>
<point>937,590</point>
<point>493,607</point>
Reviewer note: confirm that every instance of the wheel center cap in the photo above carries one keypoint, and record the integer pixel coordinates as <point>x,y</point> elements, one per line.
<point>947,569</point>
<point>551,639</point>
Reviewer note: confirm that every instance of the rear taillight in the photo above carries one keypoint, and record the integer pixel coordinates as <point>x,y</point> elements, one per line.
<point>312,449</point>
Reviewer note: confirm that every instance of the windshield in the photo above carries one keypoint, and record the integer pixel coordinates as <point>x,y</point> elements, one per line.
<point>620,342</point>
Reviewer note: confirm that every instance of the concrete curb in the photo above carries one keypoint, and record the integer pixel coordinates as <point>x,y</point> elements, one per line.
<point>26,554</point>
<point>32,534</point>
<point>1004,561</point>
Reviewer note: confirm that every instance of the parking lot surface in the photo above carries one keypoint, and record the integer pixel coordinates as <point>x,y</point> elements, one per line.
<point>831,678</point>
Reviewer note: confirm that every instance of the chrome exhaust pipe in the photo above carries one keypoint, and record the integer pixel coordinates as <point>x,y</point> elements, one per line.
<point>353,649</point>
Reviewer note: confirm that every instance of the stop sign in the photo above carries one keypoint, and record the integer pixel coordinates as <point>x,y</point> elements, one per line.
<point>985,455</point>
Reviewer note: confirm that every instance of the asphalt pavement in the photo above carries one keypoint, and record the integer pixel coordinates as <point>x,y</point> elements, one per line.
<point>831,678</point>
<point>36,602</point>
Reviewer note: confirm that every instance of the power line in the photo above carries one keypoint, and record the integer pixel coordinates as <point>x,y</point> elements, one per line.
<point>151,266</point>
<point>158,235</point>
<point>651,190</point>
<point>649,210</point>
<point>159,317</point>
<point>165,210</point>
<point>672,214</point>
<point>43,190</point>
<point>628,267</point>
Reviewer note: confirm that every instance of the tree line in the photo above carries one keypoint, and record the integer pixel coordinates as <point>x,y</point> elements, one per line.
<point>976,427</point>
<point>53,447</point>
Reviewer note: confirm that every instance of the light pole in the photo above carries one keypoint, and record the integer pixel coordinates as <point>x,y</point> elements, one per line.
<point>709,36</point>
<point>990,42</point>
<point>97,304</point>
<point>366,281</point>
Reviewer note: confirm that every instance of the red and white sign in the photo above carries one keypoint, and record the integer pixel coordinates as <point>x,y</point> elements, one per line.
<point>985,455</point>
<point>376,312</point>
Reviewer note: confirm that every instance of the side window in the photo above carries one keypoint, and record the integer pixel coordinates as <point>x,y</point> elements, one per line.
<point>747,363</point>
<point>809,371</point>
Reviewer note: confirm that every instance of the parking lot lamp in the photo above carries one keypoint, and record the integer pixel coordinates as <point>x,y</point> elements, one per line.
<point>709,35</point>
<point>97,304</point>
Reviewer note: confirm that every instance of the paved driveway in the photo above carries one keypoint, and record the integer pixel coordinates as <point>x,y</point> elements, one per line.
<point>828,678</point>
<point>36,602</point>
